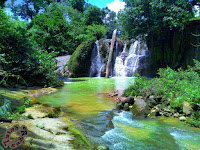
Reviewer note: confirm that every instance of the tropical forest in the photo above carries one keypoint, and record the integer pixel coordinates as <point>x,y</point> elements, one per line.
<point>100,74</point>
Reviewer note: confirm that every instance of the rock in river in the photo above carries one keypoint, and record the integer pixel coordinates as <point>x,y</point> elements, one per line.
<point>182,118</point>
<point>140,108</point>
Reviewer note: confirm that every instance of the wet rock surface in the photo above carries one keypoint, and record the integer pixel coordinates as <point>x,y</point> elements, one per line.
<point>61,64</point>
<point>140,108</point>
<point>43,133</point>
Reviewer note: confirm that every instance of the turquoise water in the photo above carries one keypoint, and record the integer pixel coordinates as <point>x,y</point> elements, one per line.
<point>86,100</point>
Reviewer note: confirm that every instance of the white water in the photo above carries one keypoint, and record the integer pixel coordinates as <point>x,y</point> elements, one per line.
<point>127,64</point>
<point>96,65</point>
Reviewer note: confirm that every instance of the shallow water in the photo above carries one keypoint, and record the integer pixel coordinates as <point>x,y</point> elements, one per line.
<point>86,100</point>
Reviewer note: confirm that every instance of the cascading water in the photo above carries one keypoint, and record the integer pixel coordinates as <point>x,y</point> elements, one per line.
<point>129,63</point>
<point>96,65</point>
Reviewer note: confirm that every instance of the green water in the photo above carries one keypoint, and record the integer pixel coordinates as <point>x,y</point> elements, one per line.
<point>86,97</point>
<point>86,101</point>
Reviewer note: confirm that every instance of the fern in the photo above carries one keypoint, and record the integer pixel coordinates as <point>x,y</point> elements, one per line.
<point>5,109</point>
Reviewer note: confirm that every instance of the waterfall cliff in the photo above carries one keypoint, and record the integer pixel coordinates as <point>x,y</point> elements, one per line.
<point>134,60</point>
<point>128,58</point>
<point>96,65</point>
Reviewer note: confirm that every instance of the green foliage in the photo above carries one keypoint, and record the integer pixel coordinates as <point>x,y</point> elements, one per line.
<point>93,15</point>
<point>80,60</point>
<point>77,4</point>
<point>80,142</point>
<point>174,87</point>
<point>29,8</point>
<point>2,3</point>
<point>21,61</point>
<point>97,31</point>
<point>29,116</point>
<point>50,30</point>
<point>154,16</point>
<point>111,22</point>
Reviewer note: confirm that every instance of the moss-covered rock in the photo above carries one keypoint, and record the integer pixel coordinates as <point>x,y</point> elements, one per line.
<point>174,48</point>
<point>79,63</point>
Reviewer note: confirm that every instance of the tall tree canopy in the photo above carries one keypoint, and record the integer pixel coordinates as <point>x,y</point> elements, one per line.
<point>142,17</point>
<point>77,4</point>
<point>93,15</point>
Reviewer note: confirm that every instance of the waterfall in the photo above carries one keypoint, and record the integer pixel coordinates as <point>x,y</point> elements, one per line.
<point>115,56</point>
<point>96,65</point>
<point>129,63</point>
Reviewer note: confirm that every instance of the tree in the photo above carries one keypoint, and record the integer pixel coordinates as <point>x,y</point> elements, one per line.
<point>142,17</point>
<point>110,21</point>
<point>93,15</point>
<point>29,8</point>
<point>2,2</point>
<point>77,4</point>
<point>21,61</point>
<point>50,30</point>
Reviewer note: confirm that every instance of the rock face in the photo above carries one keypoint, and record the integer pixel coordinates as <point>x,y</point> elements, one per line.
<point>140,109</point>
<point>80,61</point>
<point>125,102</point>
<point>187,108</point>
<point>62,65</point>
<point>43,133</point>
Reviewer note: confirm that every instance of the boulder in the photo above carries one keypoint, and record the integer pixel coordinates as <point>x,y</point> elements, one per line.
<point>182,118</point>
<point>62,65</point>
<point>176,115</point>
<point>129,100</point>
<point>113,94</point>
<point>140,108</point>
<point>154,112</point>
<point>119,106</point>
<point>187,108</point>
<point>126,107</point>
<point>151,102</point>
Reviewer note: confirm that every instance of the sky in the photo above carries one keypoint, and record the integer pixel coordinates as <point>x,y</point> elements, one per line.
<point>114,5</point>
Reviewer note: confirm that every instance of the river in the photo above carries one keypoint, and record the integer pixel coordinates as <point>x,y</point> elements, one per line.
<point>86,101</point>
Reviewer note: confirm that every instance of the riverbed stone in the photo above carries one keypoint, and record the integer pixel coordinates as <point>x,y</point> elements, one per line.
<point>113,94</point>
<point>126,107</point>
<point>182,118</point>
<point>187,108</point>
<point>176,115</point>
<point>129,100</point>
<point>151,102</point>
<point>102,148</point>
<point>119,105</point>
<point>154,112</point>
<point>140,108</point>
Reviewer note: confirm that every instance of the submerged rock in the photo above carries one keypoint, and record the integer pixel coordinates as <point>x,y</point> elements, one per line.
<point>140,109</point>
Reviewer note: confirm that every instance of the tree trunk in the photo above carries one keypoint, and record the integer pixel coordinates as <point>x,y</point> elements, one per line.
<point>111,53</point>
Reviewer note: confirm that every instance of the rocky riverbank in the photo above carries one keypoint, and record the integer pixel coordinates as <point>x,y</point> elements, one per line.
<point>47,129</point>
<point>151,107</point>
